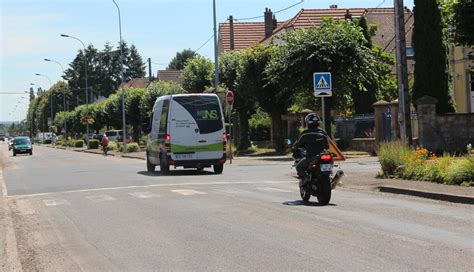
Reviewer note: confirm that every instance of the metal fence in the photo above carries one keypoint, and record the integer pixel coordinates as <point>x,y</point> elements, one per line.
<point>357,126</point>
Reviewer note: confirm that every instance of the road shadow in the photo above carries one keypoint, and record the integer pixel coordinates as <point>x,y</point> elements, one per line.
<point>305,203</point>
<point>176,173</point>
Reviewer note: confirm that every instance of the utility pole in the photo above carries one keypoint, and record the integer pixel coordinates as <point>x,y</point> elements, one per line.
<point>231,26</point>
<point>149,69</point>
<point>216,58</point>
<point>402,75</point>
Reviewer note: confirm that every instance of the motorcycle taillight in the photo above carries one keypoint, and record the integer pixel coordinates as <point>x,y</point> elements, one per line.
<point>325,157</point>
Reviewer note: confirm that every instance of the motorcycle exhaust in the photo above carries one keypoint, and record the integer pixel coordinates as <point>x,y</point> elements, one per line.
<point>337,177</point>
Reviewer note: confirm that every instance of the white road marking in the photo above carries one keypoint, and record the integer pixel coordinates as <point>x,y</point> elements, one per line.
<point>100,198</point>
<point>188,192</point>
<point>152,186</point>
<point>55,202</point>
<point>271,189</point>
<point>143,194</point>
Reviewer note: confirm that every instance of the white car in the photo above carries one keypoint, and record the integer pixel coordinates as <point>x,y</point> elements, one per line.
<point>10,143</point>
<point>114,135</point>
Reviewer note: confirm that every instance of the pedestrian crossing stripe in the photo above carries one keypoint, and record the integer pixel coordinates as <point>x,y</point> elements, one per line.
<point>322,84</point>
<point>335,151</point>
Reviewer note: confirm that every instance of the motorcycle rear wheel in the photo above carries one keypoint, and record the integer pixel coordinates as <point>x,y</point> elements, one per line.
<point>324,190</point>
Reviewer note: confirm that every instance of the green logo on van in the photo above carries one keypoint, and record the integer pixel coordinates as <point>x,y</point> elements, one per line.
<point>199,148</point>
<point>208,114</point>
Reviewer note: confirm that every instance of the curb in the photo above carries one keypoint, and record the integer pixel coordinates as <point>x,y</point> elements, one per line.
<point>132,157</point>
<point>425,194</point>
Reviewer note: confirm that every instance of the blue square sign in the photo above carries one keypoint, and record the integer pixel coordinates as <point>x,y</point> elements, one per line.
<point>322,84</point>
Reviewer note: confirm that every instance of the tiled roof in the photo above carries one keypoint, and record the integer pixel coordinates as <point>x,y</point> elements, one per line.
<point>313,17</point>
<point>138,83</point>
<point>246,34</point>
<point>170,75</point>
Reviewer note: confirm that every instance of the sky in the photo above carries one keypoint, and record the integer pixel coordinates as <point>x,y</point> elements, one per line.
<point>30,32</point>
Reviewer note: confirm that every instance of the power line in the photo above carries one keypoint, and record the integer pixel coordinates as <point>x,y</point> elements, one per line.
<point>212,36</point>
<point>378,6</point>
<point>278,11</point>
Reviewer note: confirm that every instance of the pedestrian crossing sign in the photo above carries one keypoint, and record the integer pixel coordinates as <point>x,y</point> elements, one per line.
<point>322,84</point>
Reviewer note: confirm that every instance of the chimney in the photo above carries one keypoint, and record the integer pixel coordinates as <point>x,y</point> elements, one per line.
<point>268,20</point>
<point>275,23</point>
<point>333,6</point>
<point>348,15</point>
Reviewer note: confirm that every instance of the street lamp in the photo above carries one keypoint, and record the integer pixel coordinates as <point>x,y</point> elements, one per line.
<point>64,99</point>
<point>124,124</point>
<point>87,86</point>
<point>50,86</point>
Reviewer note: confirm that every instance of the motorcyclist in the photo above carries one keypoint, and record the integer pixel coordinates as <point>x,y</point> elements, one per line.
<point>314,140</point>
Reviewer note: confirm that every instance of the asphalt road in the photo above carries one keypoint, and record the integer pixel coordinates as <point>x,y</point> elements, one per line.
<point>74,211</point>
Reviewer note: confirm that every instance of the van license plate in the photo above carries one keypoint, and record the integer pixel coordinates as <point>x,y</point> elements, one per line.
<point>184,156</point>
<point>326,167</point>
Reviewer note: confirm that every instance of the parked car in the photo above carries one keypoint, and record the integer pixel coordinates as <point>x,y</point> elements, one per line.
<point>22,144</point>
<point>188,131</point>
<point>10,143</point>
<point>98,137</point>
<point>45,137</point>
<point>2,137</point>
<point>114,135</point>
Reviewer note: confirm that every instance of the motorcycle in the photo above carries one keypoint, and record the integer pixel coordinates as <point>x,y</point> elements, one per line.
<point>318,180</point>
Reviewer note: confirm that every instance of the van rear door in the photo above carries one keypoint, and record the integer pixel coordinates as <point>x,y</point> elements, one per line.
<point>183,131</point>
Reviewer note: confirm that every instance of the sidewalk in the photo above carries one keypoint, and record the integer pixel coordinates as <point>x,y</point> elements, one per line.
<point>357,180</point>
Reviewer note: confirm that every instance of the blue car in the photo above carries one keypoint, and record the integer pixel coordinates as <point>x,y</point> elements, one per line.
<point>22,144</point>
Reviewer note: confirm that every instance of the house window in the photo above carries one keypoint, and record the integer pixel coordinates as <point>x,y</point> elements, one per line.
<point>410,52</point>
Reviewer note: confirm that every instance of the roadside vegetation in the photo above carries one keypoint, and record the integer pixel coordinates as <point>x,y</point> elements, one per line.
<point>398,161</point>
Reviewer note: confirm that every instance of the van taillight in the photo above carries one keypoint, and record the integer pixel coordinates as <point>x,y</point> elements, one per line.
<point>168,142</point>
<point>325,157</point>
<point>224,136</point>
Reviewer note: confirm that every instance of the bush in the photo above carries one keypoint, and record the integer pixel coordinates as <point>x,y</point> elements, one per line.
<point>391,156</point>
<point>60,143</point>
<point>113,146</point>
<point>131,147</point>
<point>78,143</point>
<point>94,144</point>
<point>143,140</point>
<point>460,171</point>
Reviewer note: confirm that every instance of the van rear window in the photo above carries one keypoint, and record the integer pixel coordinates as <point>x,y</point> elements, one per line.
<point>205,110</point>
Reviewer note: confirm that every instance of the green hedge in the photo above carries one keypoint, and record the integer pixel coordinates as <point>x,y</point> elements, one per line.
<point>79,143</point>
<point>94,144</point>
<point>131,147</point>
<point>113,146</point>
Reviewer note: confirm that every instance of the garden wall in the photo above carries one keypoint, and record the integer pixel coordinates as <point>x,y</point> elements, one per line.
<point>443,132</point>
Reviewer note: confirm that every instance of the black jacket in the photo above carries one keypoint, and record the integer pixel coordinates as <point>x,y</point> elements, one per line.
<point>314,140</point>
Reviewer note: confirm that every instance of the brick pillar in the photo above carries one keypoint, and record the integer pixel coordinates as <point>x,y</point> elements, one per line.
<point>427,122</point>
<point>379,108</point>
<point>395,124</point>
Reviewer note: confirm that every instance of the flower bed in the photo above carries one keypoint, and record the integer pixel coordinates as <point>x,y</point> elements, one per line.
<point>398,161</point>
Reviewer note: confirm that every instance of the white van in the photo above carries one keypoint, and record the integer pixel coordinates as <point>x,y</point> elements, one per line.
<point>187,130</point>
<point>114,135</point>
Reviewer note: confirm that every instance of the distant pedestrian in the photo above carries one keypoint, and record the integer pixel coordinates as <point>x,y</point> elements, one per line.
<point>105,144</point>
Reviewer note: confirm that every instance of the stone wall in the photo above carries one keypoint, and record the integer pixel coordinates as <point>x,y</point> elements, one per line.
<point>446,132</point>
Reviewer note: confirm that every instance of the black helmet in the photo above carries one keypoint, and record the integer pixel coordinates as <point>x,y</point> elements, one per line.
<point>312,119</point>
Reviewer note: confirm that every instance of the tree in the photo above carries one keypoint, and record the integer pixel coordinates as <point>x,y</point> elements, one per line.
<point>132,110</point>
<point>197,74</point>
<point>335,46</point>
<point>464,22</point>
<point>432,71</point>
<point>230,65</point>
<point>179,61</point>
<point>103,70</point>
<point>136,65</point>
<point>155,90</point>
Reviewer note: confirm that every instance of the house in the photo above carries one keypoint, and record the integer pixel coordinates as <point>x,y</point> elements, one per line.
<point>247,34</point>
<point>462,64</point>
<point>174,76</point>
<point>138,83</point>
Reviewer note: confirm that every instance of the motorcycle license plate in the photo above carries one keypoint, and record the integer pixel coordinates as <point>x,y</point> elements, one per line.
<point>326,167</point>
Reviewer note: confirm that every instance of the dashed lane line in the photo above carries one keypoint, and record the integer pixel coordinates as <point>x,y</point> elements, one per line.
<point>150,186</point>
<point>188,192</point>
<point>55,202</point>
